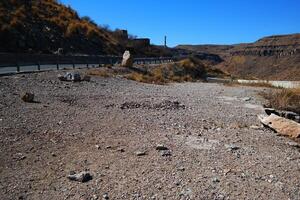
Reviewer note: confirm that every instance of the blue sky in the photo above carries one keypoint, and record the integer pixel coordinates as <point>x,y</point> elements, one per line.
<point>195,21</point>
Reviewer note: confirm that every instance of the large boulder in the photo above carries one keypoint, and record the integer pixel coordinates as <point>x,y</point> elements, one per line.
<point>281,125</point>
<point>127,59</point>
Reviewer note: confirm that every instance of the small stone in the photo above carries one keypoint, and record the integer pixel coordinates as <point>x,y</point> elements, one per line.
<point>270,111</point>
<point>232,147</point>
<point>108,147</point>
<point>293,144</point>
<point>161,147</point>
<point>246,99</point>
<point>255,127</point>
<point>215,180</point>
<point>140,153</point>
<point>28,97</point>
<point>120,149</point>
<point>97,146</point>
<point>105,196</point>
<point>166,153</point>
<point>80,177</point>
<point>181,169</point>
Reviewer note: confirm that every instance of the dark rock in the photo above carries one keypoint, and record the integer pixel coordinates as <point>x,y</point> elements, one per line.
<point>28,97</point>
<point>80,177</point>
<point>161,147</point>
<point>70,76</point>
<point>105,196</point>
<point>166,153</point>
<point>270,111</point>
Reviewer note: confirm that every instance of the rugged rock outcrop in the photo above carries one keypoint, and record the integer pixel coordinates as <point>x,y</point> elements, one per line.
<point>274,57</point>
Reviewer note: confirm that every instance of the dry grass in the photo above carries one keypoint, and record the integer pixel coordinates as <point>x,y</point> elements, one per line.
<point>182,71</point>
<point>284,99</point>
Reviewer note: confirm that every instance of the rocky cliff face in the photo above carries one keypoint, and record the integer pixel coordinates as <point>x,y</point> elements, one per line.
<point>273,58</point>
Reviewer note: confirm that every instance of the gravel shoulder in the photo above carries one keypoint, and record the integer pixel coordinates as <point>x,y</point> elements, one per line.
<point>216,147</point>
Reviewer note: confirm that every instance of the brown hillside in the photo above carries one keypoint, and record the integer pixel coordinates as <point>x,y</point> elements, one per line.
<point>272,58</point>
<point>44,26</point>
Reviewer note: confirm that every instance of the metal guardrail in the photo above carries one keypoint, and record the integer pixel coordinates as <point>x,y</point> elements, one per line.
<point>15,63</point>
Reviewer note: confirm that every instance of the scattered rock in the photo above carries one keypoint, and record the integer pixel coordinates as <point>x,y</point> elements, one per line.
<point>105,196</point>
<point>255,127</point>
<point>293,144</point>
<point>108,147</point>
<point>215,180</point>
<point>120,149</point>
<point>232,147</point>
<point>181,169</point>
<point>246,99</point>
<point>166,153</point>
<point>97,146</point>
<point>80,177</point>
<point>28,97</point>
<point>270,111</point>
<point>127,59</point>
<point>281,125</point>
<point>161,147</point>
<point>70,76</point>
<point>186,193</point>
<point>140,153</point>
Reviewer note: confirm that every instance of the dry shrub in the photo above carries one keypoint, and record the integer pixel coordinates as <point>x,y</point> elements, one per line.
<point>182,71</point>
<point>284,99</point>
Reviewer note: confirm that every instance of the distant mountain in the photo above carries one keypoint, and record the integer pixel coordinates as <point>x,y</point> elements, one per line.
<point>45,26</point>
<point>274,57</point>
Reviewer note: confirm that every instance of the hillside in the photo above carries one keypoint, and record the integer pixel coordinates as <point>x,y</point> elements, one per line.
<point>46,26</point>
<point>273,58</point>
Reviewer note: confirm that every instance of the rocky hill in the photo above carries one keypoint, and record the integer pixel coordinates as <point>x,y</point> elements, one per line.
<point>34,26</point>
<point>274,58</point>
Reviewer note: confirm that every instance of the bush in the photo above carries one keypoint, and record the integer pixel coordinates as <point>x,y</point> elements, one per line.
<point>185,70</point>
<point>284,99</point>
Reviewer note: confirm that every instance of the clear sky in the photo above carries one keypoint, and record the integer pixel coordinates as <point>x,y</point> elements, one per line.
<point>195,21</point>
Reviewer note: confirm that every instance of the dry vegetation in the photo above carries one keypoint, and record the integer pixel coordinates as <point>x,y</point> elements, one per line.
<point>26,24</point>
<point>284,99</point>
<point>184,70</point>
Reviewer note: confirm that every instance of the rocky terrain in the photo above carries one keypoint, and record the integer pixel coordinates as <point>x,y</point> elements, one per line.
<point>272,58</point>
<point>132,140</point>
<point>48,27</point>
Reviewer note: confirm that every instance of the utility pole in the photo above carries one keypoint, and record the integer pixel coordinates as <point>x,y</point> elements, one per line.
<point>165,42</point>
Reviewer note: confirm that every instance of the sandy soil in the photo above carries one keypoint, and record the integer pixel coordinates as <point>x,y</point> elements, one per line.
<point>111,128</point>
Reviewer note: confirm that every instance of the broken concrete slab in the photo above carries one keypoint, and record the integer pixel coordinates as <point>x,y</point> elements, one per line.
<point>281,125</point>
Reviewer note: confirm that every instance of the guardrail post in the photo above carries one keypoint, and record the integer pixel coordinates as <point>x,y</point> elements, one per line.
<point>18,67</point>
<point>38,66</point>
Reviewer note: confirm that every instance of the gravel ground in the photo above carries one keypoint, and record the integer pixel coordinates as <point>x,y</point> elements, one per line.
<point>111,127</point>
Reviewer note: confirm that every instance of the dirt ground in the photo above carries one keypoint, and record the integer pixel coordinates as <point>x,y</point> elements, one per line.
<point>111,127</point>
